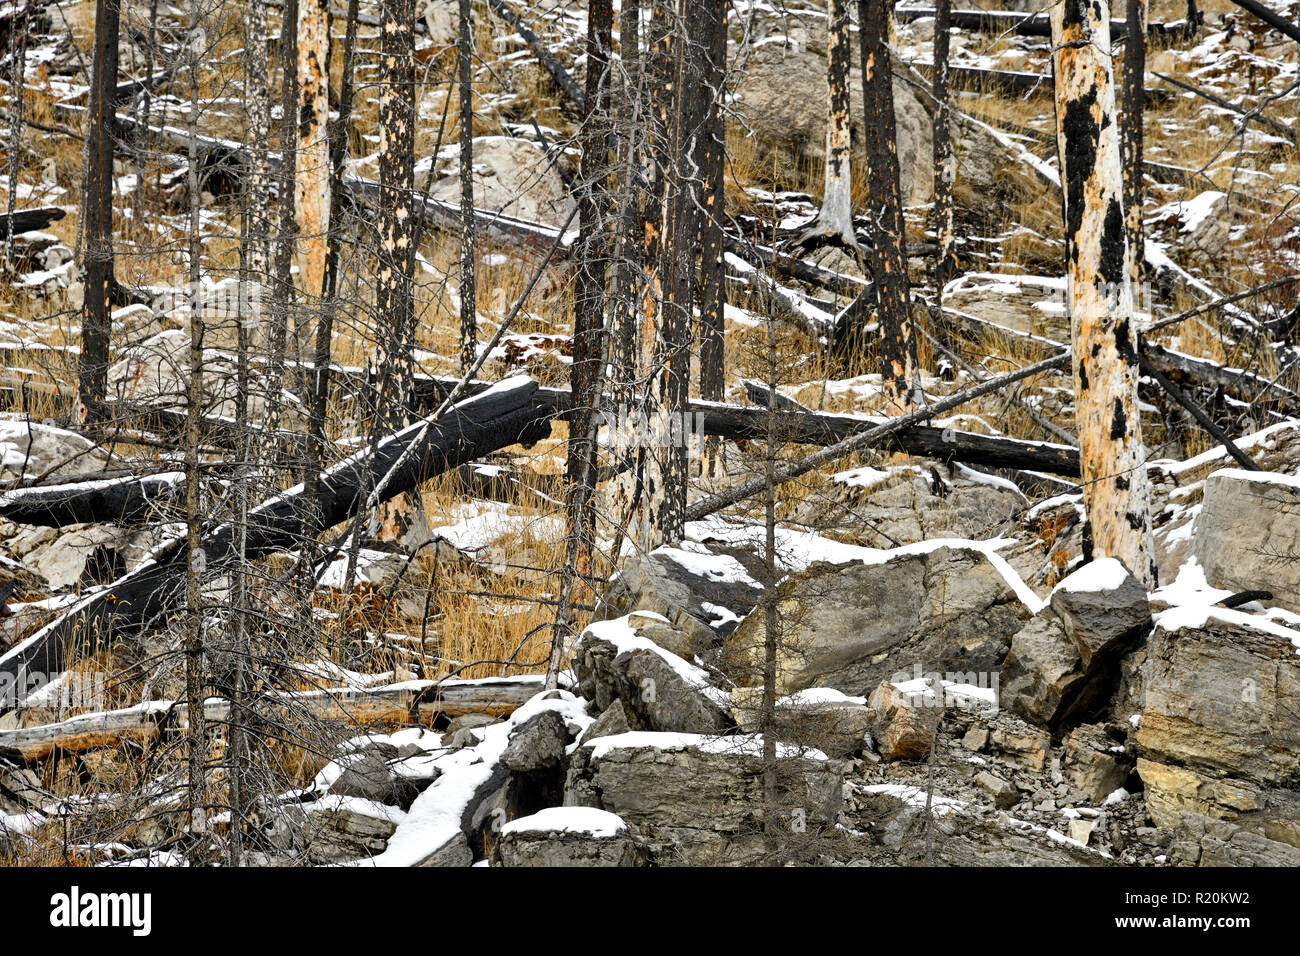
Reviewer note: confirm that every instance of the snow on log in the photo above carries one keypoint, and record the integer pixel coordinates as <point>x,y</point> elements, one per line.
<point>120,499</point>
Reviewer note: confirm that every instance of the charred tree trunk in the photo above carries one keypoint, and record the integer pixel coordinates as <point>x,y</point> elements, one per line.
<point>713,273</point>
<point>468,315</point>
<point>312,177</point>
<point>834,220</point>
<point>1112,459</point>
<point>898,351</point>
<point>394,284</point>
<point>1130,132</point>
<point>97,211</point>
<point>945,166</point>
<point>589,291</point>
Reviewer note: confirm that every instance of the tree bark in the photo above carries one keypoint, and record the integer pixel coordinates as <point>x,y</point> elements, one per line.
<point>945,165</point>
<point>312,172</point>
<point>834,220</point>
<point>1130,143</point>
<point>468,315</point>
<point>1100,293</point>
<point>898,351</point>
<point>257,96</point>
<point>97,212</point>
<point>713,272</point>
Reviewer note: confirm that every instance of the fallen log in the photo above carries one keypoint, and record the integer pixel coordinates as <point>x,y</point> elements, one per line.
<point>409,702</point>
<point>1241,384</point>
<point>120,499</point>
<point>563,80</point>
<point>29,220</point>
<point>1036,24</point>
<point>500,416</point>
<point>1276,21</point>
<point>1011,81</point>
<point>817,428</point>
<point>1198,413</point>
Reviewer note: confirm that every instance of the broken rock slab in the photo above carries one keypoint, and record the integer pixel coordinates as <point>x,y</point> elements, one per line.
<point>944,606</point>
<point>569,836</point>
<point>1247,535</point>
<point>906,717</point>
<point>660,691</point>
<point>698,800</point>
<point>1062,667</point>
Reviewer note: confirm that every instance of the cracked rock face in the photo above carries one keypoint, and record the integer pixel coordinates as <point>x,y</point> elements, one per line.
<point>851,626</point>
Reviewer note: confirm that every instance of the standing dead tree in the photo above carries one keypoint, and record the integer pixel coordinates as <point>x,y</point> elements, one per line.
<point>312,172</point>
<point>834,222</point>
<point>1100,292</point>
<point>97,213</point>
<point>468,314</point>
<point>712,146</point>
<point>945,165</point>
<point>1130,131</point>
<point>898,349</point>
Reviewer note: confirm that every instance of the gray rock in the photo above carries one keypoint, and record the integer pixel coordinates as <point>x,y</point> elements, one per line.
<point>700,800</point>
<point>1063,667</point>
<point>651,685</point>
<point>347,830</point>
<point>537,744</point>
<point>905,723</point>
<point>525,843</point>
<point>369,777</point>
<point>1016,742</point>
<point>1005,795</point>
<point>1248,534</point>
<point>613,720</point>
<point>851,626</point>
<point>1095,762</point>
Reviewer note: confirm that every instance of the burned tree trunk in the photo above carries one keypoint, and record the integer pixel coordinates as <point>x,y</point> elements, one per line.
<point>97,210</point>
<point>589,284</point>
<point>898,355</point>
<point>312,178</point>
<point>468,315</point>
<point>258,184</point>
<point>834,220</point>
<point>394,283</point>
<point>712,149</point>
<point>945,166</point>
<point>1130,131</point>
<point>1112,459</point>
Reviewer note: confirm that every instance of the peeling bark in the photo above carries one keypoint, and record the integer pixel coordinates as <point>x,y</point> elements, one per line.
<point>898,355</point>
<point>834,220</point>
<point>312,176</point>
<point>1100,297</point>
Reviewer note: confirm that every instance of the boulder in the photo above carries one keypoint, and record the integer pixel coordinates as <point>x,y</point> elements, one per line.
<point>511,176</point>
<point>569,836</point>
<point>537,744</point>
<point>702,592</point>
<point>947,610</point>
<point>780,104</point>
<point>1063,666</point>
<point>1016,742</point>
<point>1247,535</point>
<point>341,828</point>
<point>613,720</point>
<point>902,504</point>
<point>820,717</point>
<point>699,800</point>
<point>30,450</point>
<point>1219,733</point>
<point>1095,761</point>
<point>906,717</point>
<point>660,691</point>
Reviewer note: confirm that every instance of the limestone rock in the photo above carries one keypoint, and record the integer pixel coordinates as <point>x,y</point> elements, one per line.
<point>1095,762</point>
<point>661,691</point>
<point>511,176</point>
<point>850,626</point>
<point>569,836</point>
<point>1063,666</point>
<point>537,744</point>
<point>342,828</point>
<point>906,719</point>
<point>1248,533</point>
<point>697,799</point>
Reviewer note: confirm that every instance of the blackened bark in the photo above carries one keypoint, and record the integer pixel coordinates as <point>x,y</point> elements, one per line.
<point>945,167</point>
<point>713,274</point>
<point>97,212</point>
<point>898,355</point>
<point>468,315</point>
<point>1130,132</point>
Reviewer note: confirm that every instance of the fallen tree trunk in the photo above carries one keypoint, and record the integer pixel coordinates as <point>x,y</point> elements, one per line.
<point>572,91</point>
<point>119,499</point>
<point>1034,24</point>
<point>409,702</point>
<point>819,428</point>
<point>501,416</point>
<point>28,220</point>
<point>1012,81</point>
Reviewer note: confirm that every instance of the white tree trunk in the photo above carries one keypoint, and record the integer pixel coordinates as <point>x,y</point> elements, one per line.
<point>1112,458</point>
